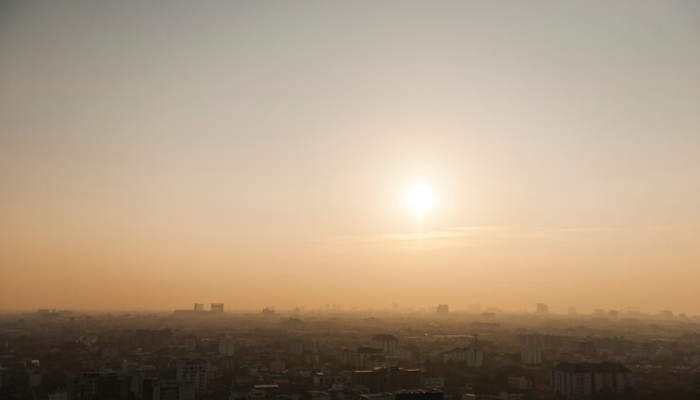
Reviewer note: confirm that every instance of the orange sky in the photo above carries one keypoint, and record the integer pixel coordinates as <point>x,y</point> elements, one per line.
<point>258,153</point>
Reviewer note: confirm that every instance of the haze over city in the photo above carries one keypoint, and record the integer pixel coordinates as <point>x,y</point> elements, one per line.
<point>363,153</point>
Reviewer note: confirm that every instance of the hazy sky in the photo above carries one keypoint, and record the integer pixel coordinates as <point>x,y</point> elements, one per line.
<point>154,154</point>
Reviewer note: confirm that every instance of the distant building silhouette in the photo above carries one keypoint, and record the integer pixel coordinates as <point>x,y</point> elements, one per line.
<point>217,307</point>
<point>474,308</point>
<point>269,312</point>
<point>443,309</point>
<point>198,307</point>
<point>542,309</point>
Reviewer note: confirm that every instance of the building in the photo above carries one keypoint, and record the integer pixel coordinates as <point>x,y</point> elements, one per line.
<point>58,395</point>
<point>531,355</point>
<point>510,395</point>
<point>301,346</point>
<point>585,380</point>
<point>217,307</point>
<point>226,347</point>
<point>34,377</point>
<point>434,382</point>
<point>380,380</point>
<point>387,343</point>
<point>277,366</point>
<point>173,390</point>
<point>198,307</point>
<point>106,384</point>
<point>472,356</point>
<point>362,358</point>
<point>4,377</point>
<point>542,309</point>
<point>520,383</point>
<point>269,312</point>
<point>194,371</point>
<point>110,351</point>
<point>443,309</point>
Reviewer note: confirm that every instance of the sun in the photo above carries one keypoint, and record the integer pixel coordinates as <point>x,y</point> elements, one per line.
<point>420,198</point>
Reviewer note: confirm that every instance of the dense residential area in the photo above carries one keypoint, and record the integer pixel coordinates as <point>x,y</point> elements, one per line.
<point>329,354</point>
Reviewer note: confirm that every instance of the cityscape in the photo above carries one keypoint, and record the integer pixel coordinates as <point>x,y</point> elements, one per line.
<point>350,200</point>
<point>331,354</point>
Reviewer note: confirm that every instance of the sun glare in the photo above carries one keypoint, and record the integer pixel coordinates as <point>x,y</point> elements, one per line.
<point>420,198</point>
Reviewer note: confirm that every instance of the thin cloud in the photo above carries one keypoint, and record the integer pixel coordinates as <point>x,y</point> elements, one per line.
<point>459,237</point>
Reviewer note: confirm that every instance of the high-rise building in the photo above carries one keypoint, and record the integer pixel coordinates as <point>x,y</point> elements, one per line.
<point>542,309</point>
<point>443,309</point>
<point>198,307</point>
<point>226,347</point>
<point>585,380</point>
<point>300,346</point>
<point>194,371</point>
<point>473,357</point>
<point>387,343</point>
<point>531,355</point>
<point>217,307</point>
<point>531,346</point>
<point>173,390</point>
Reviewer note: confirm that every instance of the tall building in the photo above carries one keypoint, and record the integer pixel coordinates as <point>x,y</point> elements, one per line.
<point>173,390</point>
<point>198,307</point>
<point>542,309</point>
<point>300,346</point>
<point>387,343</point>
<point>473,357</point>
<point>194,371</point>
<point>226,347</point>
<point>443,309</point>
<point>531,355</point>
<point>586,380</point>
<point>217,307</point>
<point>531,347</point>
